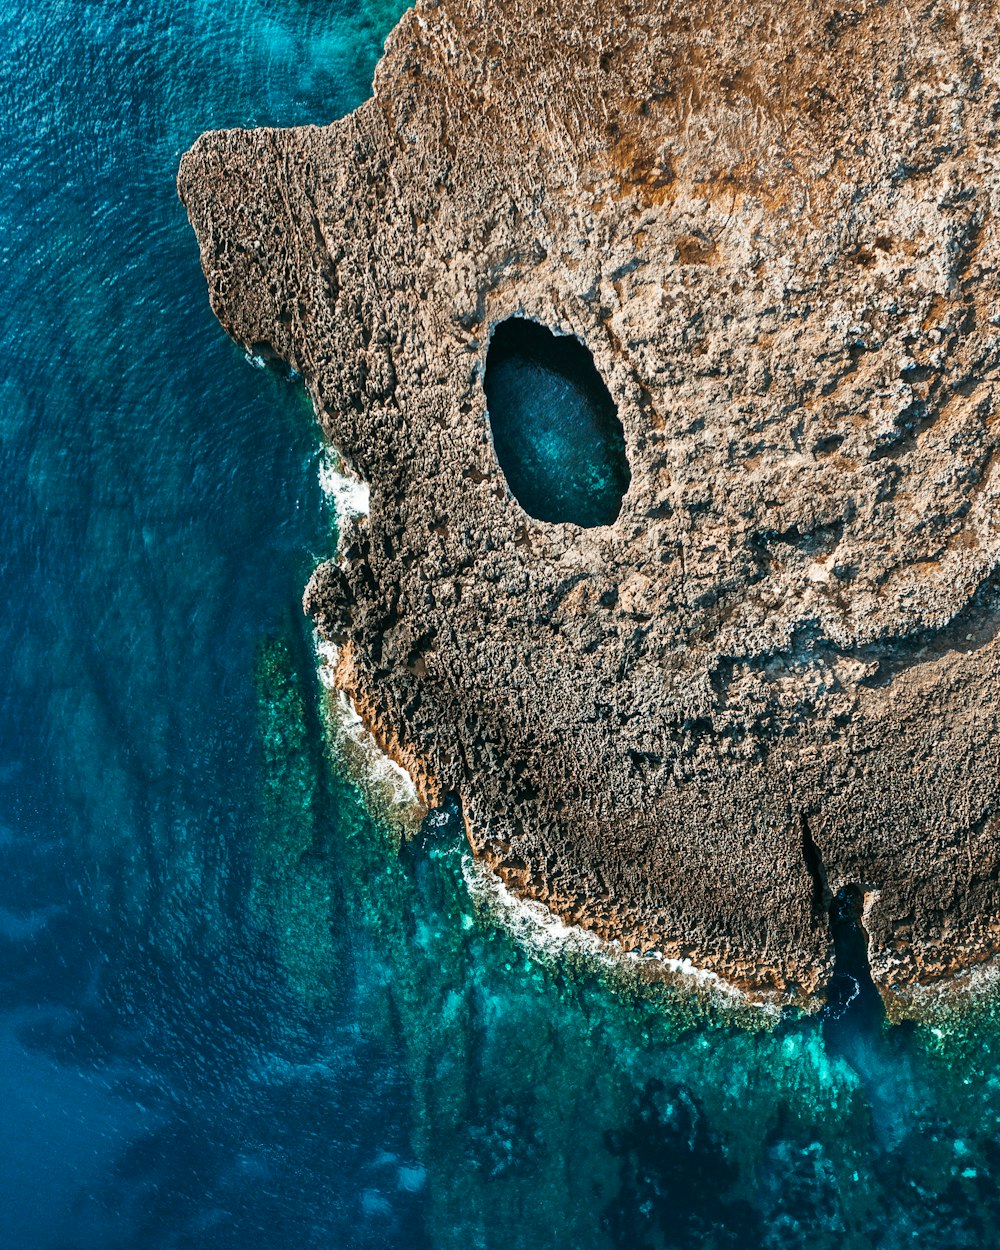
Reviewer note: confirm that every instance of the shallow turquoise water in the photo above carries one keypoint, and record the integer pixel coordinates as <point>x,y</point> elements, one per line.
<point>234,1011</point>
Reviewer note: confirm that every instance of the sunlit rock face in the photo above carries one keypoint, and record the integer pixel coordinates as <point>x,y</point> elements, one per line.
<point>770,674</point>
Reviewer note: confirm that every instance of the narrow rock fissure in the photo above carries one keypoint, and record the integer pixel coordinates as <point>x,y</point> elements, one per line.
<point>854,1007</point>
<point>817,873</point>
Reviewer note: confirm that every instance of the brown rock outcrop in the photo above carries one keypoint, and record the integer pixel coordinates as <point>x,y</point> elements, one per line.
<point>777,674</point>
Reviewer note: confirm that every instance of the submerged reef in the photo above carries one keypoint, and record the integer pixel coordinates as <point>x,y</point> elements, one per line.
<point>765,676</point>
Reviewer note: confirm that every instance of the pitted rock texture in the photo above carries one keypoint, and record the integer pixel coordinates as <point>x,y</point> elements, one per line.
<point>777,673</point>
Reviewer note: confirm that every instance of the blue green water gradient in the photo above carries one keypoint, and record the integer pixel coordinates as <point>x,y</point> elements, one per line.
<point>236,1011</point>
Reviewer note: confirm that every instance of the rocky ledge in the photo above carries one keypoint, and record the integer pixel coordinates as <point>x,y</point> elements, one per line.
<point>776,675</point>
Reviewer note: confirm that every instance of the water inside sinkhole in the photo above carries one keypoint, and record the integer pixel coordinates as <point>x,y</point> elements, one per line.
<point>555,427</point>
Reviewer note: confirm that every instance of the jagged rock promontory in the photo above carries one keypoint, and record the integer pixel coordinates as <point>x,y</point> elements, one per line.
<point>776,674</point>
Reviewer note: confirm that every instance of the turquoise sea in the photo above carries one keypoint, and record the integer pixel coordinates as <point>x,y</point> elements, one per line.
<point>237,1010</point>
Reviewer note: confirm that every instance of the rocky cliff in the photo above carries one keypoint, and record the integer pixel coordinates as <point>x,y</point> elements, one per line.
<point>777,673</point>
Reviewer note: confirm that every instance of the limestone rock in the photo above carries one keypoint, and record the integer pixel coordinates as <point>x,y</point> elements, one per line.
<point>777,673</point>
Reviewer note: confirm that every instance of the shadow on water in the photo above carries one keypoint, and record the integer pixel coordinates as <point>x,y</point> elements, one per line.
<point>235,1013</point>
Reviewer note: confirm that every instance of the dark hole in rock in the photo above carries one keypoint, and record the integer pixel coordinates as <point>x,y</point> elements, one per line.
<point>854,1008</point>
<point>555,427</point>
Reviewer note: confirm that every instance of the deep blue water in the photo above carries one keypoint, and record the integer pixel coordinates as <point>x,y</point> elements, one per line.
<point>235,1011</point>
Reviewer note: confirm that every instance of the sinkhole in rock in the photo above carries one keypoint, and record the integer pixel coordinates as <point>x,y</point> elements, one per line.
<point>555,427</point>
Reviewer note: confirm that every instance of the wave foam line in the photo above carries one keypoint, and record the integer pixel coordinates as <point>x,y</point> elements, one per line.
<point>349,494</point>
<point>392,780</point>
<point>541,931</point>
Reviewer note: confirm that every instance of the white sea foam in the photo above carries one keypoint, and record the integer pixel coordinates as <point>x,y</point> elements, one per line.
<point>543,933</point>
<point>974,984</point>
<point>537,929</point>
<point>348,493</point>
<point>531,922</point>
<point>385,782</point>
<point>393,783</point>
<point>327,654</point>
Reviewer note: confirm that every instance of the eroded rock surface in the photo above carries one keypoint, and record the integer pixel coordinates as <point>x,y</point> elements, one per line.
<point>777,673</point>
